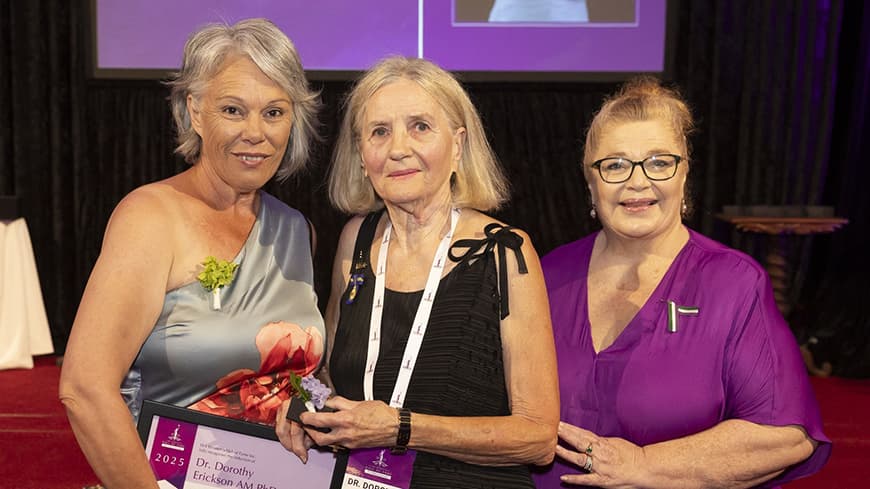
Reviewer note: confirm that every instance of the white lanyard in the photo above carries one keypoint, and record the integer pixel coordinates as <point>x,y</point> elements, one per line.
<point>421,319</point>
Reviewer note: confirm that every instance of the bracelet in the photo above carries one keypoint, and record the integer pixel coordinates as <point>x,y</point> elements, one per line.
<point>404,434</point>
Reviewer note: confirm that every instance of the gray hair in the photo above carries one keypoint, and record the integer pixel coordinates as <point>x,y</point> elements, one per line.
<point>272,52</point>
<point>478,183</point>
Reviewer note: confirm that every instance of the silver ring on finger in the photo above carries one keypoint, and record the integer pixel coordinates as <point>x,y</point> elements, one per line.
<point>588,465</point>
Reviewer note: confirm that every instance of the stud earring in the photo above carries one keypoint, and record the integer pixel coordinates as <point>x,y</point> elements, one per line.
<point>592,213</point>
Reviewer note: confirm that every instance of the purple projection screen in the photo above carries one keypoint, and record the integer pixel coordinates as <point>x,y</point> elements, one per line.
<point>336,38</point>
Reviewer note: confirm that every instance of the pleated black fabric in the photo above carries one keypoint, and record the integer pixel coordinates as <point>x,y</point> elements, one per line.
<point>459,371</point>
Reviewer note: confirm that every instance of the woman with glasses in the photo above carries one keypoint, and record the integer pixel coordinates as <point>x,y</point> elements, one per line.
<point>676,368</point>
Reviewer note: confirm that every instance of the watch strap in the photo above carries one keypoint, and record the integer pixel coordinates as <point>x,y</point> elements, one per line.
<point>404,434</point>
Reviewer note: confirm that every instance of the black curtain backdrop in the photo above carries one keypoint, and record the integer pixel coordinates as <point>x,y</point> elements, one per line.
<point>780,91</point>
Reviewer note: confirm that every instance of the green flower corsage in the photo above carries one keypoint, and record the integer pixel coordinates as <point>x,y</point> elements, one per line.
<point>215,275</point>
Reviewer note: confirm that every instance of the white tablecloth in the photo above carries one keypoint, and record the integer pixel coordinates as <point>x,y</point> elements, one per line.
<point>23,324</point>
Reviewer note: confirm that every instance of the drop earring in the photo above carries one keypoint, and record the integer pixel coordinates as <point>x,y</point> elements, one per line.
<point>592,213</point>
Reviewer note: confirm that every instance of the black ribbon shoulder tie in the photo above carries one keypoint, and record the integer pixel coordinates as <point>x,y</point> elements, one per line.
<point>501,237</point>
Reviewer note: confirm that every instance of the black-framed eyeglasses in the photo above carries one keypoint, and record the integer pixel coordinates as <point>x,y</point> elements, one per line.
<point>656,167</point>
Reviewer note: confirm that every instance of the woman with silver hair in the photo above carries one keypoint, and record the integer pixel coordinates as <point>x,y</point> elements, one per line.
<point>202,294</point>
<point>443,359</point>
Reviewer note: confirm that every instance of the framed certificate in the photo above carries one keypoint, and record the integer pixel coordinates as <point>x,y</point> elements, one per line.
<point>189,449</point>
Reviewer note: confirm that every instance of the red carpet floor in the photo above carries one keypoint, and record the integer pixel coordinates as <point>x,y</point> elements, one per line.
<point>37,446</point>
<point>38,450</point>
<point>845,406</point>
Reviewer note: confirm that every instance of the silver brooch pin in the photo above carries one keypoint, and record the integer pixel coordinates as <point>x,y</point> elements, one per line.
<point>674,311</point>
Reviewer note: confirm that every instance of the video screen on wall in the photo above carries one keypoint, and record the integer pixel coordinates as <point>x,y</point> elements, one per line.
<point>486,39</point>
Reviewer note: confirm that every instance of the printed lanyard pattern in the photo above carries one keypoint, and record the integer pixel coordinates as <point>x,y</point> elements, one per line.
<point>421,319</point>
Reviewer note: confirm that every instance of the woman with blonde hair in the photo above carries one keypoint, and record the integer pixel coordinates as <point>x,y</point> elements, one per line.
<point>676,368</point>
<point>439,338</point>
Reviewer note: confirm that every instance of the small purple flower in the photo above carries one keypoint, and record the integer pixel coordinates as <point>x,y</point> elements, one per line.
<point>317,390</point>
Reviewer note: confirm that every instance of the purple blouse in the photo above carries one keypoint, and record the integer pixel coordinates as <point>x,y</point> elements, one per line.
<point>735,359</point>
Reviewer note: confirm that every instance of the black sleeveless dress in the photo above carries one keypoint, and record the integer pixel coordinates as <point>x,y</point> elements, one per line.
<point>459,370</point>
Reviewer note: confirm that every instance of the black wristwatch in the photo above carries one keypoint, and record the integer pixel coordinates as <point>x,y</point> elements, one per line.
<point>404,435</point>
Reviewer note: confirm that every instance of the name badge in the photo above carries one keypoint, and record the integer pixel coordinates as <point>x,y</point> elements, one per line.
<point>377,468</point>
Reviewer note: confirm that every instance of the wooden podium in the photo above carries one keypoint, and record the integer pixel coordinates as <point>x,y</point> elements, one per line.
<point>776,261</point>
<point>778,222</point>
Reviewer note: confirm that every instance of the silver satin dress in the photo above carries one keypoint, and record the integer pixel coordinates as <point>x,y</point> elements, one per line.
<point>235,361</point>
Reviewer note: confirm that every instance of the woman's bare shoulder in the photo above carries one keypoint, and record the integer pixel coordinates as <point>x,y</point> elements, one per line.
<point>473,222</point>
<point>148,219</point>
<point>476,221</point>
<point>157,196</point>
